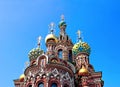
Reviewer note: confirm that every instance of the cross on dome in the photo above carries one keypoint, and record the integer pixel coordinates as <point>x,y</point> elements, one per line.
<point>39,40</point>
<point>62,17</point>
<point>51,26</point>
<point>26,64</point>
<point>79,35</point>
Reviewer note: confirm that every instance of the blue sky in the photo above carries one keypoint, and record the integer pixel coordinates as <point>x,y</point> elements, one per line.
<point>22,21</point>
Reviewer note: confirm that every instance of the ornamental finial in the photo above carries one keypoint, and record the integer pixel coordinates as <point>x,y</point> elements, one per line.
<point>79,35</point>
<point>26,64</point>
<point>51,26</point>
<point>39,40</point>
<point>62,17</point>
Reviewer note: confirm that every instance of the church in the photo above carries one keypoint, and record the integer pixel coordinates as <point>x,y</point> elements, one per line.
<point>64,64</point>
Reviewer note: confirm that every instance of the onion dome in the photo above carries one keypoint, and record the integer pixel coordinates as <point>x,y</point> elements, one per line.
<point>35,52</point>
<point>81,47</point>
<point>62,22</point>
<point>22,77</point>
<point>83,71</point>
<point>51,37</point>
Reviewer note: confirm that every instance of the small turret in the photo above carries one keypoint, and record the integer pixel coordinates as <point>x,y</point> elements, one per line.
<point>51,40</point>
<point>81,52</point>
<point>62,25</point>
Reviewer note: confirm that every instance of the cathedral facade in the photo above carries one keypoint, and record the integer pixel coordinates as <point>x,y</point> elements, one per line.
<point>64,64</point>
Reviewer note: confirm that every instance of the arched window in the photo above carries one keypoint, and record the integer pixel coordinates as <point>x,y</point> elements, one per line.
<point>42,62</point>
<point>41,85</point>
<point>60,53</point>
<point>30,85</point>
<point>70,55</point>
<point>60,37</point>
<point>54,85</point>
<point>66,85</point>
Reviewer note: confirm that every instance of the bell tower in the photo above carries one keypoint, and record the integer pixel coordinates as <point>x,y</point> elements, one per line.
<point>62,26</point>
<point>64,45</point>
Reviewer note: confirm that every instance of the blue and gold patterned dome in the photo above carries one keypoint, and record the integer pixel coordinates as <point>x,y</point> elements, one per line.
<point>81,47</point>
<point>34,53</point>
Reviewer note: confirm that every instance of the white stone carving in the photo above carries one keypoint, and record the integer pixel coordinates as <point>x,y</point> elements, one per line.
<point>55,72</point>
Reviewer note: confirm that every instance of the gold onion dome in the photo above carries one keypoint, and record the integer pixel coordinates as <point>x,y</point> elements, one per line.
<point>34,53</point>
<point>22,77</point>
<point>51,37</point>
<point>81,47</point>
<point>83,71</point>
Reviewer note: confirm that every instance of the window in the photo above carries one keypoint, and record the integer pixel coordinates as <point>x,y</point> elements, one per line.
<point>60,53</point>
<point>60,37</point>
<point>30,85</point>
<point>66,85</point>
<point>42,62</point>
<point>54,85</point>
<point>41,85</point>
<point>70,56</point>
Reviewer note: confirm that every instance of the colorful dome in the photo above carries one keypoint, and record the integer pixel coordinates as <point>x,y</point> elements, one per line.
<point>51,37</point>
<point>22,77</point>
<point>34,53</point>
<point>62,23</point>
<point>81,47</point>
<point>83,71</point>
